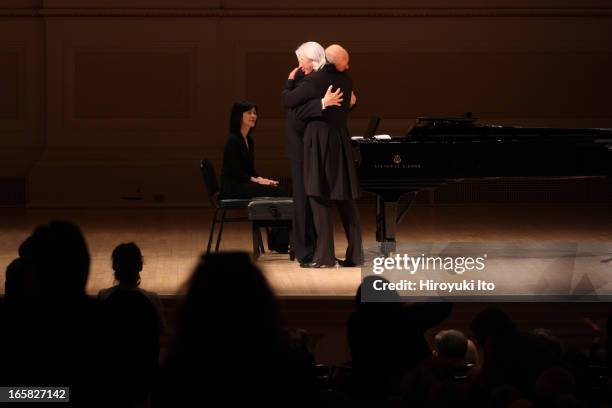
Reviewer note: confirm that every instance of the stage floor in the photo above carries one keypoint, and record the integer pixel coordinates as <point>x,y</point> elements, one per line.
<point>172,239</point>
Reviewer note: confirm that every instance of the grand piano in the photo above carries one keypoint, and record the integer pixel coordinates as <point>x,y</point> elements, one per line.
<point>437,151</point>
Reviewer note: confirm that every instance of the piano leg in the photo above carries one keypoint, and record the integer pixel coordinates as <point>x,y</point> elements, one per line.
<point>387,219</point>
<point>386,216</point>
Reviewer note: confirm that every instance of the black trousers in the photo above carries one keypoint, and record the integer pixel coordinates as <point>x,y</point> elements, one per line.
<point>325,251</point>
<point>303,230</point>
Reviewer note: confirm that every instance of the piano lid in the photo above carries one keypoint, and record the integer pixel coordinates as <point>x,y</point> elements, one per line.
<point>432,121</point>
<point>466,127</point>
<point>443,122</point>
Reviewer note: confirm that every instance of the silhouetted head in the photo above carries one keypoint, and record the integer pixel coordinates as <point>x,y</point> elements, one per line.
<point>228,293</point>
<point>338,56</point>
<point>244,115</point>
<point>60,259</point>
<point>25,249</point>
<point>127,264</point>
<point>492,323</point>
<point>450,344</point>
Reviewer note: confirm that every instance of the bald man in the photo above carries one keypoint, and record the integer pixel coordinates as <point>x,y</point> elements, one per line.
<point>338,56</point>
<point>330,176</point>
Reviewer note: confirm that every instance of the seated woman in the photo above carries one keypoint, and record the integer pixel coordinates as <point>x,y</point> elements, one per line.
<point>238,176</point>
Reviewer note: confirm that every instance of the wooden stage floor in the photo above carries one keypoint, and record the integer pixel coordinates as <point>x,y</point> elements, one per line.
<point>172,239</point>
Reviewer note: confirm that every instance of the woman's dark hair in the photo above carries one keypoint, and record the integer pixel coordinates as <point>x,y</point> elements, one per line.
<point>127,263</point>
<point>236,116</point>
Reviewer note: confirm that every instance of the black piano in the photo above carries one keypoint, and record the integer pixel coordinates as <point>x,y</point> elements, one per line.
<point>438,151</point>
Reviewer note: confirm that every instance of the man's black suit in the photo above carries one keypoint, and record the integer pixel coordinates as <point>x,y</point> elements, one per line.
<point>329,171</point>
<point>303,230</point>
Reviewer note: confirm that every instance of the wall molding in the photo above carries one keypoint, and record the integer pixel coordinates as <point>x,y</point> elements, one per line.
<point>399,13</point>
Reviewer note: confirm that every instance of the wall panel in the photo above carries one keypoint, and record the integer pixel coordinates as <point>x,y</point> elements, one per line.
<point>110,99</point>
<point>21,96</point>
<point>11,83</point>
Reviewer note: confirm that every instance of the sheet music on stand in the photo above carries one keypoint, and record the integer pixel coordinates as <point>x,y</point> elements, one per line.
<point>377,137</point>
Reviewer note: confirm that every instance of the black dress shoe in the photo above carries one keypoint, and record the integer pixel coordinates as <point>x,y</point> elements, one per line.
<point>315,265</point>
<point>306,259</point>
<point>348,264</point>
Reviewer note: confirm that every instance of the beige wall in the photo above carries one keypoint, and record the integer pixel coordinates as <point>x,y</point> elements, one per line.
<point>103,99</point>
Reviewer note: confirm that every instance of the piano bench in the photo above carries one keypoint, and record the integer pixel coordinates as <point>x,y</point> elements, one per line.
<point>267,212</point>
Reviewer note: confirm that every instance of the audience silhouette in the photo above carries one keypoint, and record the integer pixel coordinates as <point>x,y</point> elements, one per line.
<point>510,356</point>
<point>387,337</point>
<point>134,319</point>
<point>56,337</point>
<point>229,346</point>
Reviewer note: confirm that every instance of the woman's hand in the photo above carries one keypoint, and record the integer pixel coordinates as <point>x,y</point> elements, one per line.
<point>353,98</point>
<point>269,182</point>
<point>265,181</point>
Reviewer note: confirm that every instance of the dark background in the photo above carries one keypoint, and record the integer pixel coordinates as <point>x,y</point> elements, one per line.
<point>106,99</point>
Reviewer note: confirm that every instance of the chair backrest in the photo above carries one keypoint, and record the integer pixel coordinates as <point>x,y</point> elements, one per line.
<point>210,180</point>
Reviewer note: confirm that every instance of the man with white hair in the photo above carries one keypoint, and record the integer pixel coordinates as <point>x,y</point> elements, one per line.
<point>311,57</point>
<point>330,176</point>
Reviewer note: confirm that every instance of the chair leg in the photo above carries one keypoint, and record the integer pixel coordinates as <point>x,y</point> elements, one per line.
<point>220,229</point>
<point>212,231</point>
<point>256,243</point>
<point>291,253</point>
<point>260,239</point>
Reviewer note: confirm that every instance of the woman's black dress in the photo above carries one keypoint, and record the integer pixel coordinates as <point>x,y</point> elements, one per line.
<point>238,168</point>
